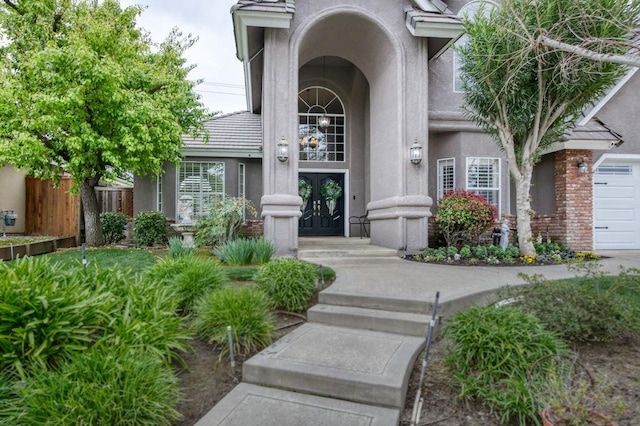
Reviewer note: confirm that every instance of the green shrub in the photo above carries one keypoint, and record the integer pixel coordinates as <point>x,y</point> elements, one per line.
<point>236,252</point>
<point>463,216</point>
<point>113,225</point>
<point>288,282</point>
<point>480,252</point>
<point>490,352</point>
<point>178,249</point>
<point>224,221</point>
<point>101,386</point>
<point>46,314</point>
<point>465,252</point>
<point>246,310</point>
<point>144,315</point>
<point>190,278</point>
<point>576,310</point>
<point>149,228</point>
<point>263,251</point>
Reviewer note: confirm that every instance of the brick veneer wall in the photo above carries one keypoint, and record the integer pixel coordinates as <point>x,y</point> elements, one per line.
<point>572,224</point>
<point>253,228</point>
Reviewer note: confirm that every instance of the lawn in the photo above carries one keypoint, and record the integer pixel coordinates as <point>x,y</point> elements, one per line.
<point>136,260</point>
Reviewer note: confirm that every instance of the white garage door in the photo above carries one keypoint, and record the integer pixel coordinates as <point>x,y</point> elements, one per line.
<point>617,206</point>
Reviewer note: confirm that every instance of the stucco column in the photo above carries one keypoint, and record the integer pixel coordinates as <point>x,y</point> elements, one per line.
<point>280,203</point>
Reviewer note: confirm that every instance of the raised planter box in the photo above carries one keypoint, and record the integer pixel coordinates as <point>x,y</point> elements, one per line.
<point>36,248</point>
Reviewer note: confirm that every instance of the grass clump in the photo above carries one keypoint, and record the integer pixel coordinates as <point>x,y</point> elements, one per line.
<point>263,251</point>
<point>189,277</point>
<point>236,252</point>
<point>245,251</point>
<point>100,386</point>
<point>288,282</point>
<point>178,249</point>
<point>46,314</point>
<point>246,310</point>
<point>491,350</point>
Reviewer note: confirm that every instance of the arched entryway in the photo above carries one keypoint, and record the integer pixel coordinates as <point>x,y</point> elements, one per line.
<point>323,159</point>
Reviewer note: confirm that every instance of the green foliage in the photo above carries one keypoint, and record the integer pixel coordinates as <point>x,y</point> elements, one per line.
<point>246,310</point>
<point>100,386</point>
<point>570,394</point>
<point>491,350</point>
<point>113,226</point>
<point>224,221</point>
<point>244,251</point>
<point>178,249</point>
<point>241,273</point>
<point>288,282</point>
<point>84,92</point>
<point>141,315</point>
<point>263,251</point>
<point>579,310</point>
<point>46,314</point>
<point>527,95</point>
<point>463,216</point>
<point>236,252</point>
<point>136,260</point>
<point>149,228</point>
<point>465,252</point>
<point>480,252</point>
<point>189,278</point>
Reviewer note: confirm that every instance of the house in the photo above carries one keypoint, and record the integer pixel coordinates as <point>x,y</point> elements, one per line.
<point>365,94</point>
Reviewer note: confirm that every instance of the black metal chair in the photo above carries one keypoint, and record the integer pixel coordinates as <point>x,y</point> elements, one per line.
<point>362,222</point>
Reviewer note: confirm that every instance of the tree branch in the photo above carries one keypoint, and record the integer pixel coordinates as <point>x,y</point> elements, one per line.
<point>13,6</point>
<point>589,54</point>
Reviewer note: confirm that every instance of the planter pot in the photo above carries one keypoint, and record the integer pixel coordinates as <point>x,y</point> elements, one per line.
<point>595,419</point>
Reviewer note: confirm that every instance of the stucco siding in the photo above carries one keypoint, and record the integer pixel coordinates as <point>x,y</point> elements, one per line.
<point>13,193</point>
<point>622,114</point>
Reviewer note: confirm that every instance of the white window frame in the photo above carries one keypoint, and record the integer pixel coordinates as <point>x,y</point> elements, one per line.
<point>159,192</point>
<point>242,176</point>
<point>446,162</point>
<point>200,206</point>
<point>316,144</point>
<point>496,179</point>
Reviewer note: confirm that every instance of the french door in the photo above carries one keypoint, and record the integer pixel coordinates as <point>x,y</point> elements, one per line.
<point>321,216</point>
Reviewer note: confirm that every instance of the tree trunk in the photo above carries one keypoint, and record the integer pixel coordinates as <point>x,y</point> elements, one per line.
<point>92,227</point>
<point>523,211</point>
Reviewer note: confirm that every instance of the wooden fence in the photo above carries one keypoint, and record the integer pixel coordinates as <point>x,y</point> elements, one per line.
<point>115,200</point>
<point>51,211</point>
<point>54,211</point>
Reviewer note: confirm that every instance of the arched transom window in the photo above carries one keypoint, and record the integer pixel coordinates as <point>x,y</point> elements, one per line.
<point>321,132</point>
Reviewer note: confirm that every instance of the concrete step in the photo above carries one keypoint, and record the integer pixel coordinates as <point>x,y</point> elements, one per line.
<point>370,319</point>
<point>346,251</point>
<point>251,405</point>
<point>362,366</point>
<point>383,302</point>
<point>336,241</point>
<point>335,261</point>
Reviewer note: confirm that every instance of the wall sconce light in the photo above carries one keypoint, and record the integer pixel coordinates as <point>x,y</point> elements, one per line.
<point>583,167</point>
<point>282,150</point>
<point>415,153</point>
<point>324,122</point>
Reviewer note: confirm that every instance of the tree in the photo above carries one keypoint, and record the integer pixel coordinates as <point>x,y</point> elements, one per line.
<point>524,95</point>
<point>85,93</point>
<point>621,48</point>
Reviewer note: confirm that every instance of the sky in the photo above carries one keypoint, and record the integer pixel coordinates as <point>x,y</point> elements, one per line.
<point>214,53</point>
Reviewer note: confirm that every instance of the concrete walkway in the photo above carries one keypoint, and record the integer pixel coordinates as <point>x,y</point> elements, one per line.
<point>349,365</point>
